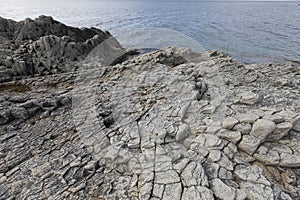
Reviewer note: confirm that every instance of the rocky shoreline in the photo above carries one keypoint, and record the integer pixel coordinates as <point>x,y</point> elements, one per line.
<point>169,124</point>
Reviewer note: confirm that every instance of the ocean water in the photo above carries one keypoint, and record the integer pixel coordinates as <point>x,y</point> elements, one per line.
<point>252,32</point>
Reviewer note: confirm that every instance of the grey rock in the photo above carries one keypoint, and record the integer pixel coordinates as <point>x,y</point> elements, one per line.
<point>229,122</point>
<point>249,98</point>
<point>282,130</point>
<point>296,125</point>
<point>243,128</point>
<point>232,136</point>
<point>212,170</point>
<point>251,174</point>
<point>197,192</point>
<point>247,117</point>
<point>223,191</point>
<point>194,175</point>
<point>269,157</point>
<point>167,177</point>
<point>262,129</point>
<point>257,191</point>
<point>167,124</point>
<point>172,191</point>
<point>39,41</point>
<point>289,160</point>
<point>183,132</point>
<point>249,144</point>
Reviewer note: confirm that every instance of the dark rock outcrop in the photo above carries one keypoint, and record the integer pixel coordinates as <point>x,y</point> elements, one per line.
<point>44,46</point>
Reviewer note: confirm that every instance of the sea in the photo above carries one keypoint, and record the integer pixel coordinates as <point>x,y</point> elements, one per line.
<point>250,31</point>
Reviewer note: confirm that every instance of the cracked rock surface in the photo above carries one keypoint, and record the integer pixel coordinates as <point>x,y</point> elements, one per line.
<point>44,46</point>
<point>170,124</point>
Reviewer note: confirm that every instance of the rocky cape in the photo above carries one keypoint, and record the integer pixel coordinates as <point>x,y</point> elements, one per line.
<point>169,124</point>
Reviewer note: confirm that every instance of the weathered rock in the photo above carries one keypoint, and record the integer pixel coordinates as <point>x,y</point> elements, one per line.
<point>232,136</point>
<point>244,128</point>
<point>164,125</point>
<point>229,122</point>
<point>39,41</point>
<point>194,175</point>
<point>247,117</point>
<point>254,184</point>
<point>262,129</point>
<point>167,177</point>
<point>289,160</point>
<point>269,157</point>
<point>183,132</point>
<point>257,191</point>
<point>197,192</point>
<point>282,130</point>
<point>221,190</point>
<point>249,144</point>
<point>296,125</point>
<point>249,98</point>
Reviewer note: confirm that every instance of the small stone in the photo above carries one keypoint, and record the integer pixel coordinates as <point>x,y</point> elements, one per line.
<point>251,77</point>
<point>213,128</point>
<point>269,157</point>
<point>249,144</point>
<point>257,191</point>
<point>211,170</point>
<point>251,174</point>
<point>232,136</point>
<point>194,175</point>
<point>229,122</point>
<point>197,192</point>
<point>2,179</point>
<point>167,177</point>
<point>145,191</point>
<point>244,128</point>
<point>225,162</point>
<point>289,177</point>
<point>249,98</point>
<point>172,191</point>
<point>214,155</point>
<point>158,190</point>
<point>262,129</point>
<point>289,160</point>
<point>222,191</point>
<point>247,117</point>
<point>19,113</point>
<point>281,131</point>
<point>296,125</point>
<point>275,118</point>
<point>183,132</point>
<point>224,174</point>
<point>180,166</point>
<point>209,141</point>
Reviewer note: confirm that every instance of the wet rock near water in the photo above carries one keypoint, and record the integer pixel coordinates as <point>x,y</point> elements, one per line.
<point>169,124</point>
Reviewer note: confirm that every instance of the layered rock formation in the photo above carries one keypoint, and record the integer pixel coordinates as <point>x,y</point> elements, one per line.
<point>171,124</point>
<point>44,46</point>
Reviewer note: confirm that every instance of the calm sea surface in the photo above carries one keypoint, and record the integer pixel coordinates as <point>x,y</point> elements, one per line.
<point>252,32</point>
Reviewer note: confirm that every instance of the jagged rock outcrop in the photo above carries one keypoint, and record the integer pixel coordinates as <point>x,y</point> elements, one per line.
<point>44,46</point>
<point>170,124</point>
